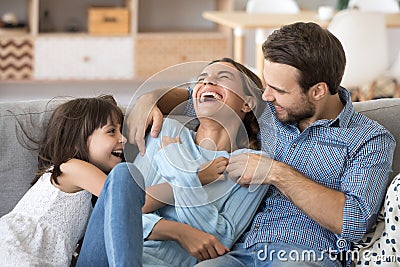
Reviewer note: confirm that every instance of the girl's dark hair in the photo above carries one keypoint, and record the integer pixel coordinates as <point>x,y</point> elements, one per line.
<point>314,51</point>
<point>67,132</point>
<point>252,86</point>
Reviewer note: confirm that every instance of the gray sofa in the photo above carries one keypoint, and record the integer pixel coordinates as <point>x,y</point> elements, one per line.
<point>18,163</point>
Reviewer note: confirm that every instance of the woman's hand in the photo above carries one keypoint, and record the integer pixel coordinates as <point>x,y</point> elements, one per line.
<point>144,113</point>
<point>197,243</point>
<point>212,170</point>
<point>201,245</point>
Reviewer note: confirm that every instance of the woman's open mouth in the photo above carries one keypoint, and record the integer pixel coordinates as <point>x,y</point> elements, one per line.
<point>210,96</point>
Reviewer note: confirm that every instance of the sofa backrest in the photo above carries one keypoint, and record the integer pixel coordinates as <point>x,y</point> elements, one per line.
<point>386,111</point>
<point>18,164</point>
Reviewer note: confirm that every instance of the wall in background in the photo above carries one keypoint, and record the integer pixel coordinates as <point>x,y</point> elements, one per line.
<point>123,90</point>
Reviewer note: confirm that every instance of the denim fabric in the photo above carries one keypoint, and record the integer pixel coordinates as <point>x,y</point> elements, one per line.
<point>114,233</point>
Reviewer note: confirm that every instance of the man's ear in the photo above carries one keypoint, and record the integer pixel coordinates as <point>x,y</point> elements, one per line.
<point>319,90</point>
<point>249,104</point>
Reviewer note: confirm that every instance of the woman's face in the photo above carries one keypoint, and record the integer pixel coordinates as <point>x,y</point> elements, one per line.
<point>219,89</point>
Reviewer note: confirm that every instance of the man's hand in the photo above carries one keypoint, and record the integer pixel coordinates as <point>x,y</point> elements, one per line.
<point>143,113</point>
<point>199,244</point>
<point>212,170</point>
<point>322,204</point>
<point>250,168</point>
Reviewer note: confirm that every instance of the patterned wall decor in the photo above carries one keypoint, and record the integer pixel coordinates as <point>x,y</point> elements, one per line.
<point>16,58</point>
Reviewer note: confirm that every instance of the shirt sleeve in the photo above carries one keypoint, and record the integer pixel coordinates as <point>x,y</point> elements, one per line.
<point>149,171</point>
<point>365,183</point>
<point>149,220</point>
<point>192,203</point>
<point>189,109</point>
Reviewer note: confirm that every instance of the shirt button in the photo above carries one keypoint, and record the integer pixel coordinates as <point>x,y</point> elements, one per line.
<point>268,210</point>
<point>256,227</point>
<point>294,145</point>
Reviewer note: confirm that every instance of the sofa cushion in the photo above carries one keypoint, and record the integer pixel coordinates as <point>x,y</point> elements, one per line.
<point>386,111</point>
<point>18,164</point>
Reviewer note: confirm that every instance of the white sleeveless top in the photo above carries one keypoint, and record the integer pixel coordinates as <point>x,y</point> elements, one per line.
<point>44,227</point>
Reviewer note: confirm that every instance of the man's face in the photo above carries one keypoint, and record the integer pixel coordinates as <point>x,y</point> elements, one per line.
<point>284,92</point>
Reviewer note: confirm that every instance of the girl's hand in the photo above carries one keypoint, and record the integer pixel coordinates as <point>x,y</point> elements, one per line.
<point>167,140</point>
<point>212,170</point>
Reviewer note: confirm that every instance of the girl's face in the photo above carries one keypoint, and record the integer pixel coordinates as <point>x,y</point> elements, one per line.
<point>105,146</point>
<point>219,84</point>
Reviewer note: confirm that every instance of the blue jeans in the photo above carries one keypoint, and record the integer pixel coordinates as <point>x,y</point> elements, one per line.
<point>114,236</point>
<point>271,255</point>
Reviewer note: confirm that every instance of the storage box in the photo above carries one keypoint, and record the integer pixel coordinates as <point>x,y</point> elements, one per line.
<point>108,20</point>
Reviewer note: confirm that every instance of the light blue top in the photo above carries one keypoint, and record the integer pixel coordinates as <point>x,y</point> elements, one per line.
<point>222,208</point>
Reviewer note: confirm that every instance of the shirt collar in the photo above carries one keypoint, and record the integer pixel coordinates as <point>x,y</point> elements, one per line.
<point>344,118</point>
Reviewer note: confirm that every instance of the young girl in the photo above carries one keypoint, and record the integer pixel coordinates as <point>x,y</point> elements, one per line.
<point>80,145</point>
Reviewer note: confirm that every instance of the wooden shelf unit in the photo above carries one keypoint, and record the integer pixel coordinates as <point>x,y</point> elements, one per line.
<point>144,52</point>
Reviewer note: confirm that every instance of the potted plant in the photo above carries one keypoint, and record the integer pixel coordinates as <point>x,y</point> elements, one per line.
<point>342,4</point>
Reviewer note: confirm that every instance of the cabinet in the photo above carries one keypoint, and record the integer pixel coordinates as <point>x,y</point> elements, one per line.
<point>83,58</point>
<point>161,34</point>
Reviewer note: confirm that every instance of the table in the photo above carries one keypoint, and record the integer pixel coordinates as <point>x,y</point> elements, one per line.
<point>241,20</point>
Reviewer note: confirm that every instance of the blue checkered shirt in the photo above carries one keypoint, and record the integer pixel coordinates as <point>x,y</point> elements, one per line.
<point>352,154</point>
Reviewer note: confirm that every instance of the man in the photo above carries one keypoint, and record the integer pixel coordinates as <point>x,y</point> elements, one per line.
<point>330,165</point>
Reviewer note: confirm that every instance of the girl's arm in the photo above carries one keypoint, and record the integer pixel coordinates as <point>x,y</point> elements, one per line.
<point>78,174</point>
<point>157,196</point>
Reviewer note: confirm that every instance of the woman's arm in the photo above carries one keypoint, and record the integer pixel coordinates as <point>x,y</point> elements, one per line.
<point>199,244</point>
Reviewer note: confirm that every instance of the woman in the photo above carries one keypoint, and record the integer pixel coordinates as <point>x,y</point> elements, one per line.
<point>225,98</point>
